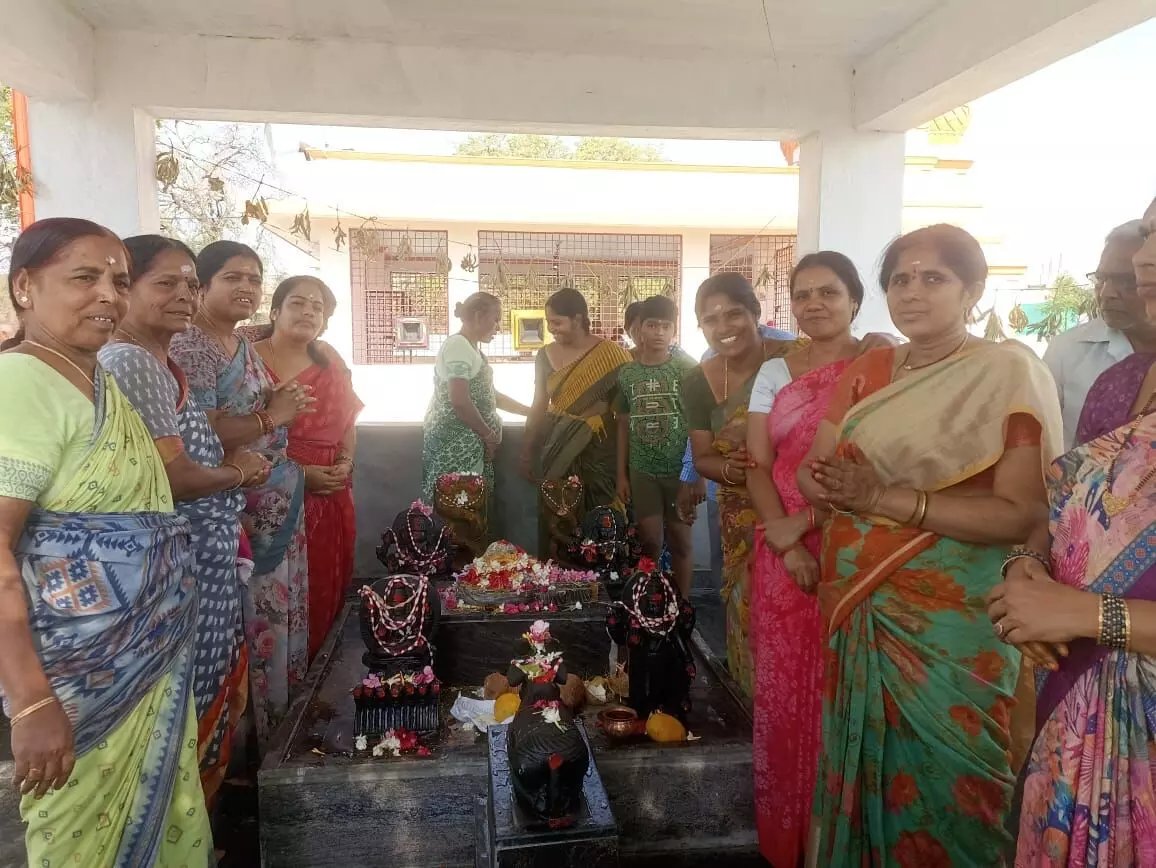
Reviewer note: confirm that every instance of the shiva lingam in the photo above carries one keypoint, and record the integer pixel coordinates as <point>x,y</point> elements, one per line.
<point>547,754</point>
<point>399,618</point>
<point>607,544</point>
<point>654,623</point>
<point>418,542</point>
<point>460,499</point>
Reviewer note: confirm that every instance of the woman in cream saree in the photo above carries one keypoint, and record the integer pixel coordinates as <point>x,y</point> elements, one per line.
<point>931,461</point>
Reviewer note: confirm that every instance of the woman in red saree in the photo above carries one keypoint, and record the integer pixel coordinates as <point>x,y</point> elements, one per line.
<point>788,402</point>
<point>322,441</point>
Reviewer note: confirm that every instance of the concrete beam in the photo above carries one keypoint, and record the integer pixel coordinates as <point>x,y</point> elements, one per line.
<point>967,48</point>
<point>45,50</point>
<point>358,82</point>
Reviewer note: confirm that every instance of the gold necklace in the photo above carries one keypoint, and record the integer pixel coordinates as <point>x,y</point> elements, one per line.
<point>91,380</point>
<point>910,367</point>
<point>727,370</point>
<point>1113,503</point>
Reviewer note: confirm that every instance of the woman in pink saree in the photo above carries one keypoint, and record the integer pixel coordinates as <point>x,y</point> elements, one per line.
<point>788,402</point>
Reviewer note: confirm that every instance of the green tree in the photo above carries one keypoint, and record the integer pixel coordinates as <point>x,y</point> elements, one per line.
<point>1068,303</point>
<point>616,151</point>
<point>534,147</point>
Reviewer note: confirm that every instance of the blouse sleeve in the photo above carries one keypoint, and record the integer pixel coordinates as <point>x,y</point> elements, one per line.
<point>196,358</point>
<point>458,360</point>
<point>773,375</point>
<point>149,388</point>
<point>697,400</point>
<point>33,440</point>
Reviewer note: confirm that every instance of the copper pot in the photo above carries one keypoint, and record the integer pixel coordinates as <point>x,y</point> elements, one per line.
<point>619,722</point>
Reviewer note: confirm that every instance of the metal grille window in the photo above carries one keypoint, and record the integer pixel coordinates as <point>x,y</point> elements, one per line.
<point>611,270</point>
<point>766,261</point>
<point>397,274</point>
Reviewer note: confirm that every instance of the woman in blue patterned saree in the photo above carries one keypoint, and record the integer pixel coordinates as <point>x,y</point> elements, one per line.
<point>231,384</point>
<point>205,481</point>
<point>97,602</point>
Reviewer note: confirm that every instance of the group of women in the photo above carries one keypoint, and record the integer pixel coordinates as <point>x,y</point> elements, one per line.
<point>176,530</point>
<point>919,532</point>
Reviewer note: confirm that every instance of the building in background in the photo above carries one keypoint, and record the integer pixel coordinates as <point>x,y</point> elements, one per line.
<point>401,239</point>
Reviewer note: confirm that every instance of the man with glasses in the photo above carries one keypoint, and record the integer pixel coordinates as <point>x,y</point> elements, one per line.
<point>1078,357</point>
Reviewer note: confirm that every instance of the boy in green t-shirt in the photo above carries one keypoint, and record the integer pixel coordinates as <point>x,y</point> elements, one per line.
<point>652,436</point>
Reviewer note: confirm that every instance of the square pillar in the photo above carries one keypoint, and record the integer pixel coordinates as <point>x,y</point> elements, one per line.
<point>851,200</point>
<point>95,160</point>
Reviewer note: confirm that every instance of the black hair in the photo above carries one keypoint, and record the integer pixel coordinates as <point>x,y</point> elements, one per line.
<point>213,258</point>
<point>734,286</point>
<point>659,307</point>
<point>630,315</point>
<point>475,304</point>
<point>143,249</point>
<point>569,302</point>
<point>843,267</point>
<point>40,244</point>
<point>328,302</point>
<point>957,248</point>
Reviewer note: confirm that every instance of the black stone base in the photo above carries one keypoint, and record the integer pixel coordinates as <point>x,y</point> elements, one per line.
<point>321,805</point>
<point>591,842</point>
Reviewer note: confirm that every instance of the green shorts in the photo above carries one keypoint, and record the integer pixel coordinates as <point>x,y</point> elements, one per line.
<point>654,496</point>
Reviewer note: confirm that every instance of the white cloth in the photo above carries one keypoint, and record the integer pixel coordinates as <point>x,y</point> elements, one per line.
<point>772,376</point>
<point>1076,359</point>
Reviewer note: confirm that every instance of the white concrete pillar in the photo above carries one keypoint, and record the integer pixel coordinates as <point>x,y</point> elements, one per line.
<point>695,269</point>
<point>95,160</point>
<point>851,200</point>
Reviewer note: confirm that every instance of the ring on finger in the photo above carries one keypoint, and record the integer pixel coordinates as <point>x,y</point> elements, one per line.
<point>999,629</point>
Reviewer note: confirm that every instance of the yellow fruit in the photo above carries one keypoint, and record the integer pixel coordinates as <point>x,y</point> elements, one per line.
<point>506,706</point>
<point>664,728</point>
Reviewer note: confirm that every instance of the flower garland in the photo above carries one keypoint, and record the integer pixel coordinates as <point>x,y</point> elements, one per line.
<point>392,631</point>
<point>468,497</point>
<point>573,485</point>
<point>506,567</point>
<point>408,684</point>
<point>666,593</point>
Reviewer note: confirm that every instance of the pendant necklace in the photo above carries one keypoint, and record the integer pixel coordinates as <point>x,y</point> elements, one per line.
<point>1113,503</point>
<point>91,380</point>
<point>909,367</point>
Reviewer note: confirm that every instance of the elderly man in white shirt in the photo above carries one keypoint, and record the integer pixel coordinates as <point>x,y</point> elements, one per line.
<point>1078,356</point>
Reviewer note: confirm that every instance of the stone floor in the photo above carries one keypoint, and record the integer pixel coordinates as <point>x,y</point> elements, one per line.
<point>237,834</point>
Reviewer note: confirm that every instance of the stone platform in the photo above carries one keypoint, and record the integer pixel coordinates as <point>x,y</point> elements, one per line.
<point>688,804</point>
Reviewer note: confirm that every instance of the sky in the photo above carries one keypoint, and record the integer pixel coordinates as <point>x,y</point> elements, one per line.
<point>1060,157</point>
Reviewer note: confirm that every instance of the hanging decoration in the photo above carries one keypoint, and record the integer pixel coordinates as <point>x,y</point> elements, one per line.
<point>442,261</point>
<point>255,209</point>
<point>993,328</point>
<point>302,226</point>
<point>216,184</point>
<point>368,241</point>
<point>339,236</point>
<point>501,276</point>
<point>764,279</point>
<point>168,170</point>
<point>1017,319</point>
<point>404,248</point>
<point>469,262</point>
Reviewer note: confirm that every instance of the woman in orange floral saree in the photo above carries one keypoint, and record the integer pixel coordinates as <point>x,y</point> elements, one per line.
<point>931,461</point>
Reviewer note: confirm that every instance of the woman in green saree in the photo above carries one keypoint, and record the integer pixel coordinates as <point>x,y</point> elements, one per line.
<point>716,395</point>
<point>570,432</point>
<point>929,467</point>
<point>97,604</point>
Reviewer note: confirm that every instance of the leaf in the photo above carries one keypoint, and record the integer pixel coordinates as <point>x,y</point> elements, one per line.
<point>216,185</point>
<point>257,209</point>
<point>442,261</point>
<point>339,237</point>
<point>993,330</point>
<point>1017,319</point>
<point>302,226</point>
<point>469,262</point>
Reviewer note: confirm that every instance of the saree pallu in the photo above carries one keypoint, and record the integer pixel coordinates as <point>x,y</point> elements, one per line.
<point>1089,793</point>
<point>787,639</point>
<point>915,763</point>
<point>330,521</point>
<point>274,601</point>
<point>579,432</point>
<point>112,605</point>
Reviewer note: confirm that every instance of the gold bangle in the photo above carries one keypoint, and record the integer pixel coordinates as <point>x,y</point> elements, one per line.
<point>725,475</point>
<point>924,498</point>
<point>915,512</point>
<point>1127,627</point>
<point>240,473</point>
<point>1100,623</point>
<point>32,709</point>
